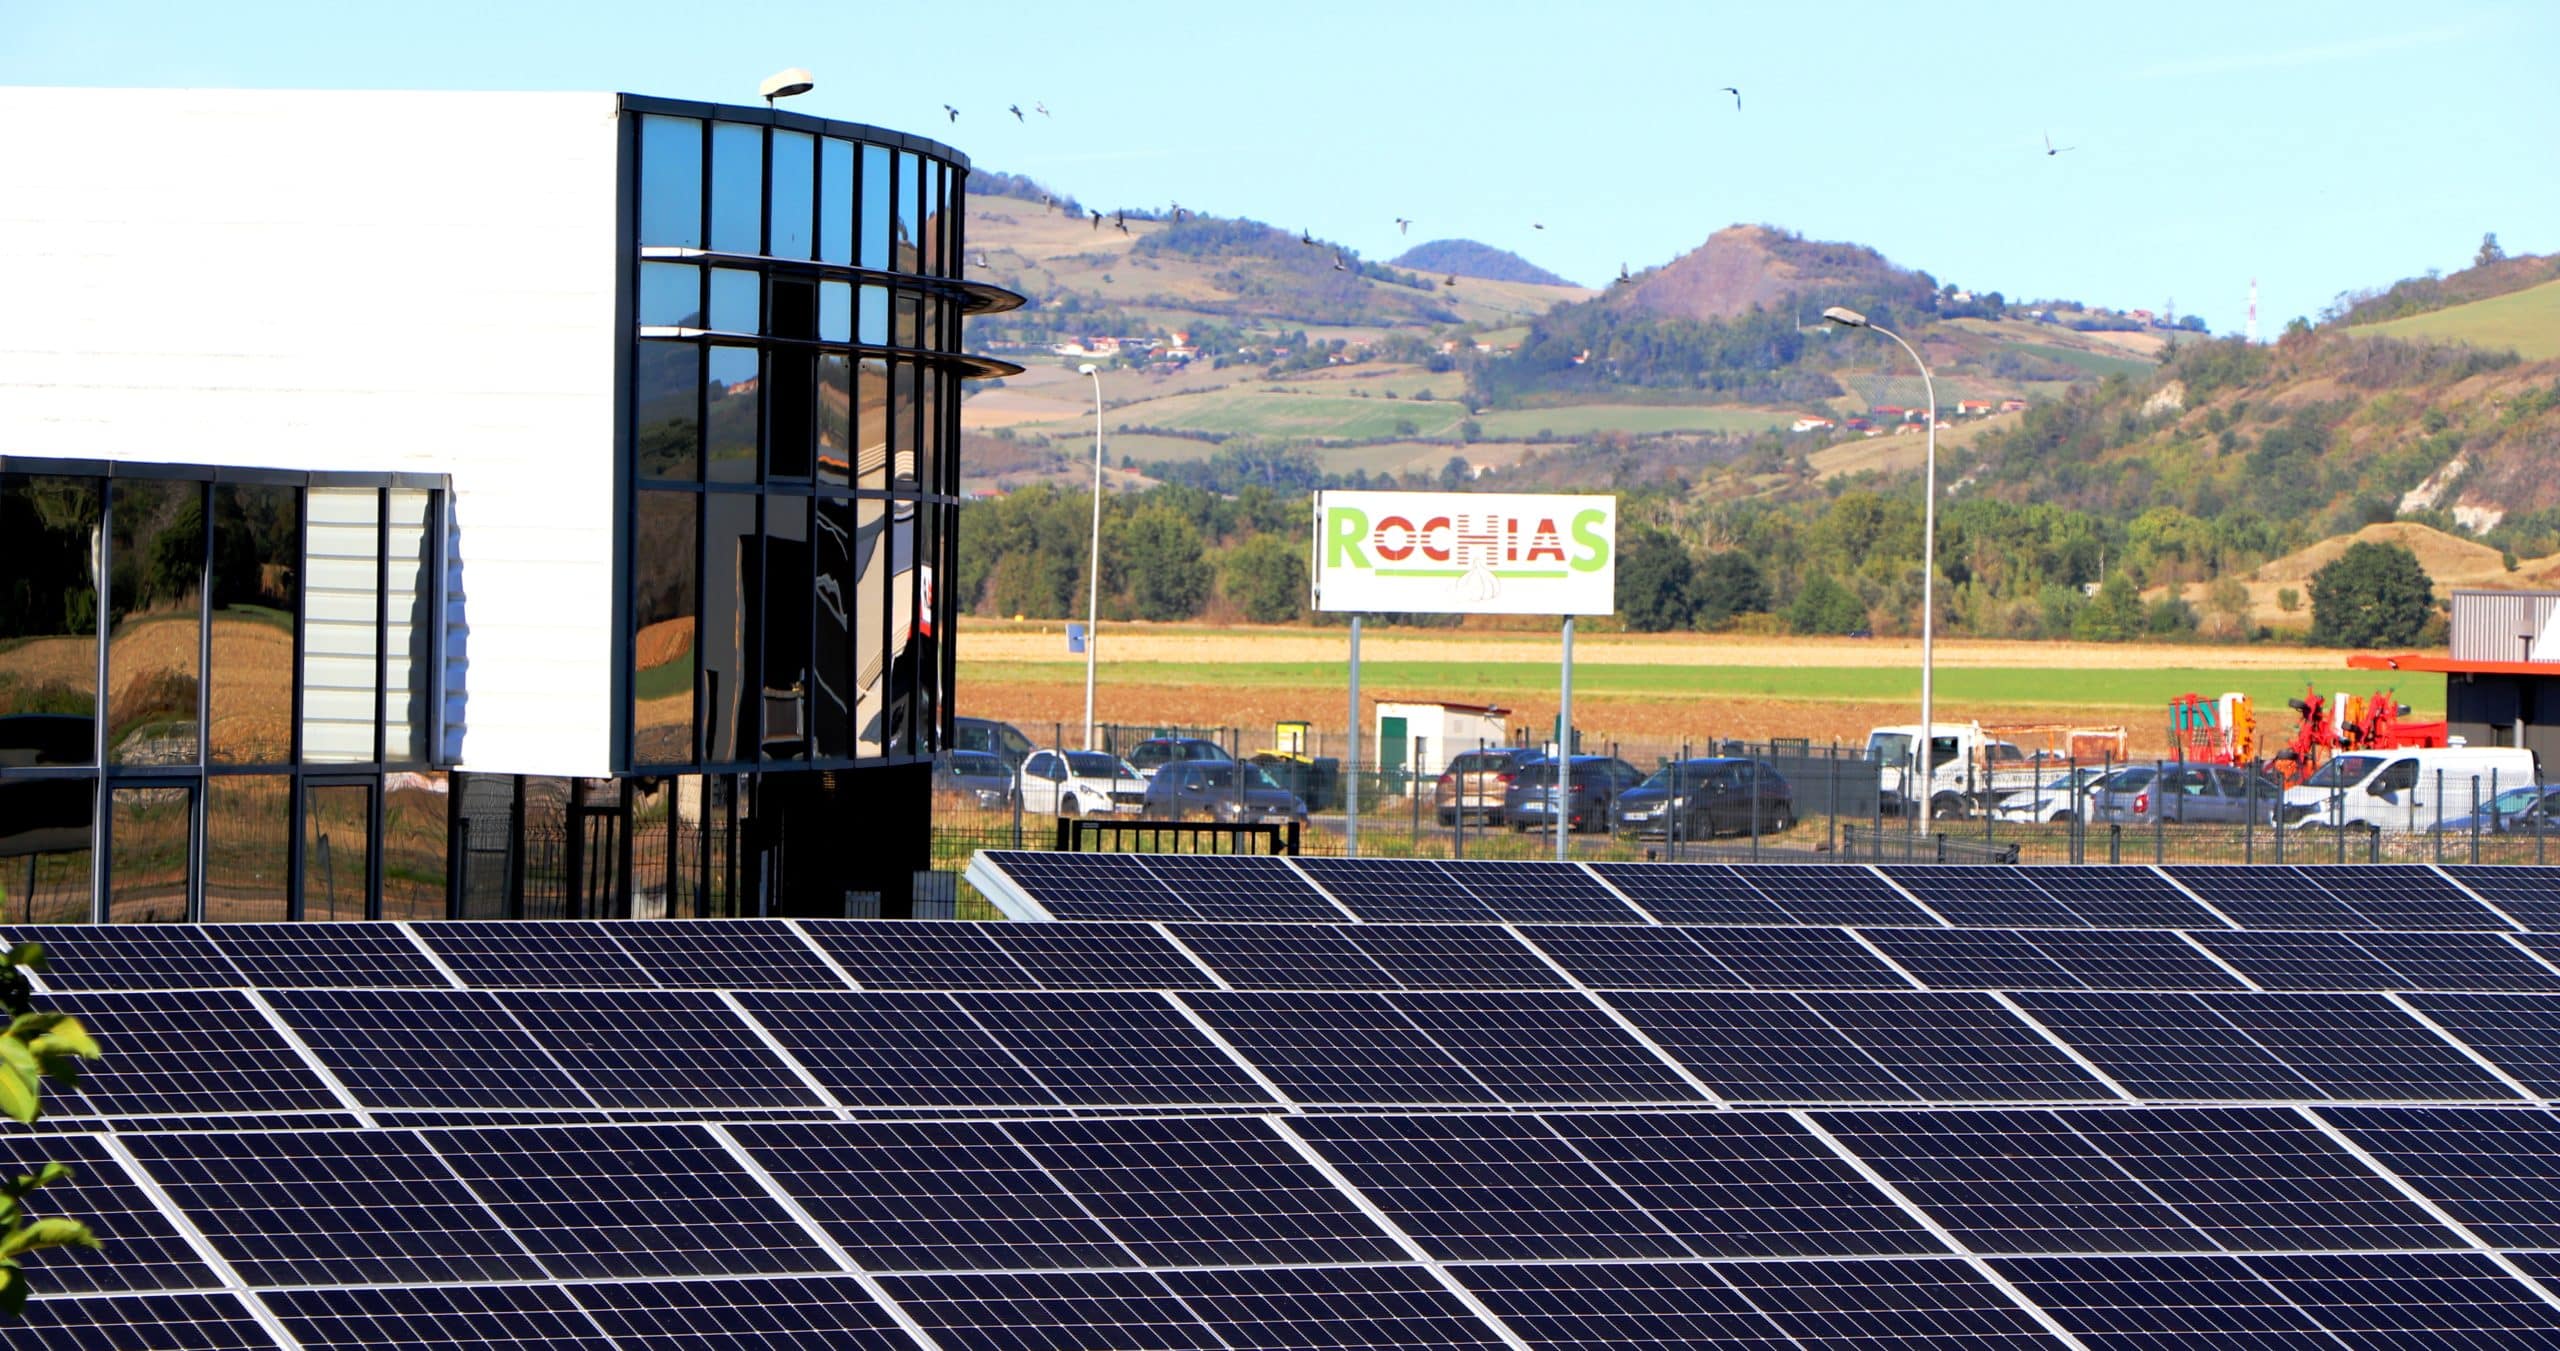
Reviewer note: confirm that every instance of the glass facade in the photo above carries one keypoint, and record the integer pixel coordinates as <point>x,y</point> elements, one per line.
<point>266,648</point>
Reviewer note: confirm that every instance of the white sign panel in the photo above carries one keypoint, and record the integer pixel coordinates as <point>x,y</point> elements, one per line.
<point>1466,553</point>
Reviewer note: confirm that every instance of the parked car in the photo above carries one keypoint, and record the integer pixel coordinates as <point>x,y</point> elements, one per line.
<point>1219,791</point>
<point>1709,796</point>
<point>981,778</point>
<point>2226,794</point>
<point>1002,740</point>
<point>2397,790</point>
<point>2053,800</point>
<point>1315,780</point>
<point>1155,753</point>
<point>1080,783</point>
<point>2530,810</point>
<point>1473,784</point>
<point>1596,782</point>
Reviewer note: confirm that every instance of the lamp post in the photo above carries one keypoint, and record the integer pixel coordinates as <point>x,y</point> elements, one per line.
<point>1093,564</point>
<point>1924,758</point>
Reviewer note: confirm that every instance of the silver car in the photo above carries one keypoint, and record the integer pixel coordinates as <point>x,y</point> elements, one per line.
<point>2226,794</point>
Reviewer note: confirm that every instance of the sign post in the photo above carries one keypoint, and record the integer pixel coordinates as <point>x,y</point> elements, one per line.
<point>1468,553</point>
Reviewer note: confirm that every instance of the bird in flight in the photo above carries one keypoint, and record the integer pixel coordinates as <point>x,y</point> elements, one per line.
<point>955,113</point>
<point>1120,221</point>
<point>1403,226</point>
<point>1097,218</point>
<point>2051,149</point>
<point>1306,238</point>
<point>1015,109</point>
<point>1040,108</point>
<point>978,259</point>
<point>1450,280</point>
<point>1339,265</point>
<point>1180,215</point>
<point>1737,96</point>
<point>1536,226</point>
<point>1622,273</point>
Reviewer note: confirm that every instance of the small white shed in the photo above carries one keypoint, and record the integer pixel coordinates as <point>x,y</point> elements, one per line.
<point>1419,738</point>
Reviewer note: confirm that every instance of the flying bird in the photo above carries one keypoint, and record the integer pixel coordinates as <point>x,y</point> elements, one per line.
<point>1450,280</point>
<point>1120,221</point>
<point>1622,273</point>
<point>978,259</point>
<point>1403,226</point>
<point>1536,226</point>
<point>1737,96</point>
<point>2051,149</point>
<point>1040,108</point>
<point>1338,264</point>
<point>1015,109</point>
<point>1097,219</point>
<point>955,113</point>
<point>1180,215</point>
<point>1306,238</point>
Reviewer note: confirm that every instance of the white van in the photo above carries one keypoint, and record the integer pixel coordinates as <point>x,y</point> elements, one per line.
<point>2398,790</point>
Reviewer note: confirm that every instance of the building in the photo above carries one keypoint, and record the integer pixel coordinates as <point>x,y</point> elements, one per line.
<point>2502,672</point>
<point>490,504</point>
<point>1419,739</point>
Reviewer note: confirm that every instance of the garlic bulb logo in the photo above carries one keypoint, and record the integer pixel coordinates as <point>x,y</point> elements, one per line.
<point>1477,584</point>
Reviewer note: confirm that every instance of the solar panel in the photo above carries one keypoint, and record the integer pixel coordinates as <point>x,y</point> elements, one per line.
<point>2259,1179</point>
<point>774,1312</point>
<point>323,955</point>
<point>1114,1049</point>
<point>2518,1033</point>
<point>127,957</point>
<point>1091,886</point>
<point>1239,887</point>
<point>147,1252</point>
<point>1397,890</point>
<point>628,1201</point>
<point>935,956</point>
<point>2126,959</point>
<point>1184,1191</point>
<point>1801,959</point>
<point>1337,1047</point>
<point>333,1208</point>
<point>1365,1307</point>
<point>1455,956</point>
<point>1630,957</point>
<point>1694,893</point>
<point>2164,1046</point>
<point>2404,896</point>
<point>1051,1311</point>
<point>428,1049</point>
<point>1956,1047</point>
<point>533,954</point>
<point>1558,893</point>
<point>1097,955</point>
<point>1536,1047</point>
<point>1884,1302</point>
<point>2132,1302</point>
<point>931,1196</point>
<point>1734,1184</point>
<point>437,1317</point>
<point>1572,1306</point>
<point>1756,1047</point>
<point>2529,893</point>
<point>1284,956</point>
<point>896,1049</point>
<point>2358,1046</point>
<point>2119,898</point>
<point>1488,1188</point>
<point>205,1322</point>
<point>1982,894</point>
<point>1835,893</point>
<point>1967,959</point>
<point>2415,1299</point>
<point>2263,896</point>
<point>180,1052</point>
<point>2015,1182</point>
<point>2496,1172</point>
<point>725,954</point>
<point>658,1048</point>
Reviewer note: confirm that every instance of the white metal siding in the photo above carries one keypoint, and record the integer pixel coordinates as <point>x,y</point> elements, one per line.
<point>341,577</point>
<point>350,281</point>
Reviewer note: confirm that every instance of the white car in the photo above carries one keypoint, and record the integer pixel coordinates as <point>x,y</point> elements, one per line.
<point>2052,801</point>
<point>1079,783</point>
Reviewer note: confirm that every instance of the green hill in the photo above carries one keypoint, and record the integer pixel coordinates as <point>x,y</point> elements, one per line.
<point>1467,258</point>
<point>2526,321</point>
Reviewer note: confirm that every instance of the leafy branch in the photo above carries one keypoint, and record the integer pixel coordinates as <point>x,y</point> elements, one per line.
<point>36,1047</point>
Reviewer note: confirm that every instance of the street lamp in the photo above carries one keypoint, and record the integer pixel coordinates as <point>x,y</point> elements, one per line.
<point>1093,564</point>
<point>1926,758</point>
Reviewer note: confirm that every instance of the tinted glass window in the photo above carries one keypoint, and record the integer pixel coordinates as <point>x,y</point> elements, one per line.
<point>794,198</point>
<point>737,188</point>
<point>666,419</point>
<point>156,587</point>
<point>663,625</point>
<point>257,543</point>
<point>671,182</point>
<point>49,618</point>
<point>835,202</point>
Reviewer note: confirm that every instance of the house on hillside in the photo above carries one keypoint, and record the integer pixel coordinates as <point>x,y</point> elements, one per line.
<point>1972,407</point>
<point>2013,405</point>
<point>1810,423</point>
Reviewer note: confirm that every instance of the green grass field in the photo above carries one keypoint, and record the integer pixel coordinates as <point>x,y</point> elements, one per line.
<point>2093,362</point>
<point>2526,320</point>
<point>2015,687</point>
<point>1585,419</point>
<point>1252,412</point>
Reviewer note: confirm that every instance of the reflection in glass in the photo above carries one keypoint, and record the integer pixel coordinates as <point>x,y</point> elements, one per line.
<point>902,425</point>
<point>932,520</point>
<point>730,560</point>
<point>737,188</point>
<point>148,834</point>
<point>667,422</point>
<point>831,661</point>
<point>413,845</point>
<point>257,547</point>
<point>871,318</point>
<point>785,629</point>
<point>870,621</point>
<point>897,709</point>
<point>337,850</point>
<point>663,630</point>
<point>730,386</point>
<point>49,622</point>
<point>670,295</point>
<point>871,424</point>
<point>906,329</point>
<point>408,676</point>
<point>790,398</point>
<point>792,204</point>
<point>929,391</point>
<point>671,181</point>
<point>734,300</point>
<point>874,237</point>
<point>248,843</point>
<point>902,225</point>
<point>835,311</point>
<point>835,201</point>
<point>341,581</point>
<point>835,420</point>
<point>155,593</point>
<point>933,223</point>
<point>44,850</point>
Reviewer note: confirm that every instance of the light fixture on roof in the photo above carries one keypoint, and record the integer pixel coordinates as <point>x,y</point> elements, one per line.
<point>785,83</point>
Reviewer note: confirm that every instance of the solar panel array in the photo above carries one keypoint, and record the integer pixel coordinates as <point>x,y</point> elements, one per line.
<point>1230,1103</point>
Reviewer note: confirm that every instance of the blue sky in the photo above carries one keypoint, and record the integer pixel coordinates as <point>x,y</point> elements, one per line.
<point>2316,147</point>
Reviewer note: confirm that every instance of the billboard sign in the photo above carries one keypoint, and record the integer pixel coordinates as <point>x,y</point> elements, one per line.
<point>1466,553</point>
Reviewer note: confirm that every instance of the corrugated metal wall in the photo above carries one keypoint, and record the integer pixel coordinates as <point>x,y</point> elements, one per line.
<point>2500,625</point>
